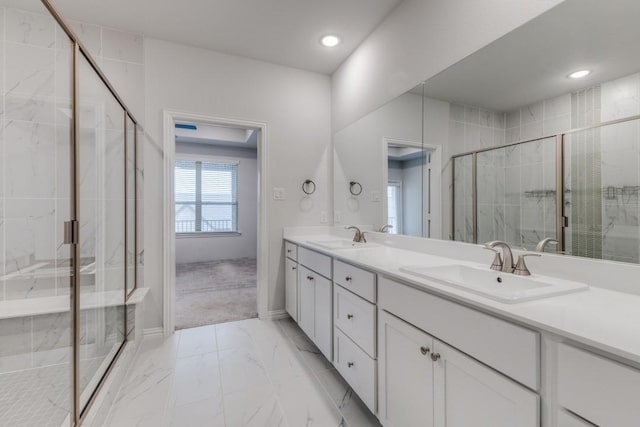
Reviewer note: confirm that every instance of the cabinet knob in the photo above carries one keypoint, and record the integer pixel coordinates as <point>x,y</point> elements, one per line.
<point>288,251</point>
<point>435,356</point>
<point>293,268</point>
<point>348,278</point>
<point>424,350</point>
<point>349,364</point>
<point>309,277</point>
<point>349,316</point>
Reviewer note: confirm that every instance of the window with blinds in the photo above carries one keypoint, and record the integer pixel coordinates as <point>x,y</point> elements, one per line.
<point>206,195</point>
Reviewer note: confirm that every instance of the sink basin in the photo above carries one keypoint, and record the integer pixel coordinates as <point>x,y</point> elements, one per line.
<point>503,287</point>
<point>340,244</point>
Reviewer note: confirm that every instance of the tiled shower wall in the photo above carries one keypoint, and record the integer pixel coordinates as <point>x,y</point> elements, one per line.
<point>604,182</point>
<point>36,88</point>
<point>35,84</point>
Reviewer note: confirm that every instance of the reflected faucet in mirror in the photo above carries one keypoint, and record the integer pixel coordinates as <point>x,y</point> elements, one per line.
<point>358,237</point>
<point>544,242</point>
<point>384,228</point>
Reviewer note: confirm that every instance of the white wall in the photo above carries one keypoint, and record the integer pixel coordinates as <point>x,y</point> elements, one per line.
<point>294,103</point>
<point>417,40</point>
<point>359,157</point>
<point>209,248</point>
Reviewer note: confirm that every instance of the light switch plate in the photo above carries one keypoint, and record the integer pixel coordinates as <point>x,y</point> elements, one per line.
<point>279,194</point>
<point>323,217</point>
<point>375,196</point>
<point>337,216</point>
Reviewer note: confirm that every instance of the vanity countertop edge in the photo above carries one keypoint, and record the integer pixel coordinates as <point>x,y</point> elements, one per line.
<point>603,319</point>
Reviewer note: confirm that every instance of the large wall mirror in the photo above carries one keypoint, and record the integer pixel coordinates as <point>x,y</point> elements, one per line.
<point>519,148</point>
<point>387,168</point>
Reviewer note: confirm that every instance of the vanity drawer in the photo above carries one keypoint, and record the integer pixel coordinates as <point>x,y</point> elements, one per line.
<point>356,318</point>
<point>598,389</point>
<point>360,282</point>
<point>508,348</point>
<point>291,250</point>
<point>315,261</point>
<point>357,368</point>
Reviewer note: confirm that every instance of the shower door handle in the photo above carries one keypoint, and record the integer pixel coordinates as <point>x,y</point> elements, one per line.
<point>71,232</point>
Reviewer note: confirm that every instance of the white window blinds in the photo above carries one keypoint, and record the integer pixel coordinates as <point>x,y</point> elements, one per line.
<point>206,195</point>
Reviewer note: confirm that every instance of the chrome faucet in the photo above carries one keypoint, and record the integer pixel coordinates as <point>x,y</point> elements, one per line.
<point>544,242</point>
<point>385,228</point>
<point>521,268</point>
<point>507,264</point>
<point>358,237</point>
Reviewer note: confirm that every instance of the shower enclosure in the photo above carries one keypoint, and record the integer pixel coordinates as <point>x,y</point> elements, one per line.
<point>580,187</point>
<point>67,220</point>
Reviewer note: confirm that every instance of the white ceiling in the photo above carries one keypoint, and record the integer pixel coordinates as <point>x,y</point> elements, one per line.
<point>285,32</point>
<point>221,136</point>
<point>532,62</point>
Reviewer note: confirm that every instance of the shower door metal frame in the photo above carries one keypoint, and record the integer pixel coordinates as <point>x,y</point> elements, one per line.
<point>562,221</point>
<point>72,236</point>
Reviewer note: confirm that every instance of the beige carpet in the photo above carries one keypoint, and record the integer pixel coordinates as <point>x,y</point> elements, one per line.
<point>215,292</point>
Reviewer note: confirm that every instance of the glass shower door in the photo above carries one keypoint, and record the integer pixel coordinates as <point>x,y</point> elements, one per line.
<point>102,229</point>
<point>35,199</point>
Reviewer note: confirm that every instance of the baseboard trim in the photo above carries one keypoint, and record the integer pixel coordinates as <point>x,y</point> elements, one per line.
<point>154,331</point>
<point>276,314</point>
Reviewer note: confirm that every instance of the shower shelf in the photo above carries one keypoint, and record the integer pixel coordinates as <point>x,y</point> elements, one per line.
<point>61,304</point>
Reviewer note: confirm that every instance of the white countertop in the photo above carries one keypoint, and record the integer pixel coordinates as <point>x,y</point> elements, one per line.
<point>603,319</point>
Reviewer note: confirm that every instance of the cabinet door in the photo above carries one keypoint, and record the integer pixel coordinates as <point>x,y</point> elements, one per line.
<point>467,393</point>
<point>405,377</point>
<point>291,288</point>
<point>323,315</point>
<point>307,296</point>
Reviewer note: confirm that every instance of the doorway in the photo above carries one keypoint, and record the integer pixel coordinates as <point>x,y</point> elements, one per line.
<point>411,176</point>
<point>213,221</point>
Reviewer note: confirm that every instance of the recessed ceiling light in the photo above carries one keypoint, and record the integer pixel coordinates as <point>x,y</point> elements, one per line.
<point>330,41</point>
<point>579,74</point>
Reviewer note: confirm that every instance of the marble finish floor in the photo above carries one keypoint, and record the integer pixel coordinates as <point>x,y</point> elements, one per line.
<point>245,373</point>
<point>41,396</point>
<point>215,292</point>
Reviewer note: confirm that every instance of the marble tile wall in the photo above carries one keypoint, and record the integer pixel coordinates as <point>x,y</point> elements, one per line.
<point>544,118</point>
<point>36,93</point>
<point>35,120</point>
<point>470,128</point>
<point>601,172</point>
<point>463,199</point>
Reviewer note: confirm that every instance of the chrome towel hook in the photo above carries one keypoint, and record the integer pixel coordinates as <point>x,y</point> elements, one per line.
<point>306,187</point>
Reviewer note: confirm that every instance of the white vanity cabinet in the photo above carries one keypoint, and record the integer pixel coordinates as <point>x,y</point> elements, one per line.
<point>424,382</point>
<point>291,288</point>
<point>315,299</point>
<point>468,393</point>
<point>354,321</point>
<point>599,390</point>
<point>291,279</point>
<point>405,374</point>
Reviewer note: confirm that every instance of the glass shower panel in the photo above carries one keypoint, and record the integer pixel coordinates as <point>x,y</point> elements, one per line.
<point>131,204</point>
<point>517,193</point>
<point>102,228</point>
<point>602,180</point>
<point>35,199</point>
<point>463,198</point>
<point>491,201</point>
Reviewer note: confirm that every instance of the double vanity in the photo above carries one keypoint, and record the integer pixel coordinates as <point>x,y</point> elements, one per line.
<point>426,340</point>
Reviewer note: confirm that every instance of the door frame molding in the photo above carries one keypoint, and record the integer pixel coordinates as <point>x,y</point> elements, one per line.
<point>435,183</point>
<point>169,246</point>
